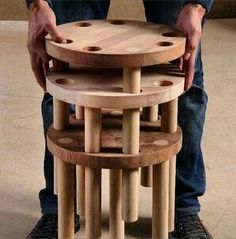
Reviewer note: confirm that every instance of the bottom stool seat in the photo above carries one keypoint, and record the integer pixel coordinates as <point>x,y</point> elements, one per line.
<point>155,146</point>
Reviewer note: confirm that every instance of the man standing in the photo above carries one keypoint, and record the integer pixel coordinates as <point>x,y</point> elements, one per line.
<point>187,16</point>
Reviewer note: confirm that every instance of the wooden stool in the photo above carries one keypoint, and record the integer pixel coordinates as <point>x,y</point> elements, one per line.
<point>105,140</point>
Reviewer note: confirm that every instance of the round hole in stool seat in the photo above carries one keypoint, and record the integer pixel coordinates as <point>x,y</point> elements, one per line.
<point>163,83</point>
<point>83,24</point>
<point>64,81</point>
<point>92,48</point>
<point>165,43</point>
<point>117,22</point>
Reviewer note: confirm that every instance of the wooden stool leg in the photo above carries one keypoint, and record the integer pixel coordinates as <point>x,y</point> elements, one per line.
<point>164,180</point>
<point>172,180</point>
<point>65,177</point>
<point>169,124</point>
<point>65,200</point>
<point>160,200</point>
<point>116,222</point>
<point>92,203</point>
<point>131,124</point>
<point>79,112</point>
<point>58,66</point>
<point>80,173</point>
<point>146,176</point>
<point>93,122</point>
<point>149,114</point>
<point>55,177</point>
<point>60,122</point>
<point>80,188</point>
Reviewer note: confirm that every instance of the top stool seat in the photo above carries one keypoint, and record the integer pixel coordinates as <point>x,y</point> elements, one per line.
<point>117,43</point>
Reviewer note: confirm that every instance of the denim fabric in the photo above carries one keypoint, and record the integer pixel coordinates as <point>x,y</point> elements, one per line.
<point>190,174</point>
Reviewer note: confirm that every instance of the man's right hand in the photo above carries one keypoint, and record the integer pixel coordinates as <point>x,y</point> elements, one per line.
<point>42,21</point>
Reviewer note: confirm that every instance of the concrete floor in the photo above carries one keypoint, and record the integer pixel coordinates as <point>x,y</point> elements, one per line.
<point>22,144</point>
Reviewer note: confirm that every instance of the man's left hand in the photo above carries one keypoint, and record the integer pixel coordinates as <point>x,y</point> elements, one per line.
<point>190,22</point>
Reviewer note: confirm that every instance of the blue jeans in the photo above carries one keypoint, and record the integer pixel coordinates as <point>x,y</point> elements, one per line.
<point>190,174</point>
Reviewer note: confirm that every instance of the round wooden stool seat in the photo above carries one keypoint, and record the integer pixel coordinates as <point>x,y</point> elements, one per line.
<point>102,88</point>
<point>155,146</point>
<point>117,43</point>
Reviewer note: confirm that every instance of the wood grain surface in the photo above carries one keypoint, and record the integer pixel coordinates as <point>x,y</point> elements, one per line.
<point>103,88</point>
<point>117,43</point>
<point>155,146</point>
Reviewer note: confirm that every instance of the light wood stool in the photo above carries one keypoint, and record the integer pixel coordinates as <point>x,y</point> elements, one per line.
<point>105,140</point>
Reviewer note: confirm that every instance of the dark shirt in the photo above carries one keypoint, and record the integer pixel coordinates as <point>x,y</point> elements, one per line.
<point>67,10</point>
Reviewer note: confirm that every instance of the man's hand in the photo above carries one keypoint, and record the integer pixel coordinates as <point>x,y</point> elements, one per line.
<point>42,21</point>
<point>190,22</point>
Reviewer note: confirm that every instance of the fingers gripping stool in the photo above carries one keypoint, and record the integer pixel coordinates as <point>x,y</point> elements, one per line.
<point>104,139</point>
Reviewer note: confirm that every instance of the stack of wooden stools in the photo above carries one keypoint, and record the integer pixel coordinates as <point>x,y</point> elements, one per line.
<point>116,124</point>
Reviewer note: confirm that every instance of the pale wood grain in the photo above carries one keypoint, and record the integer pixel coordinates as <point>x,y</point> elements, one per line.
<point>117,43</point>
<point>92,143</point>
<point>103,88</point>
<point>169,124</point>
<point>149,114</point>
<point>116,224</point>
<point>65,176</point>
<point>131,124</point>
<point>155,146</point>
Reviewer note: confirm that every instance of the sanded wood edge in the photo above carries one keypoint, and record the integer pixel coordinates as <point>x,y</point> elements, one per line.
<point>114,159</point>
<point>160,84</point>
<point>114,61</point>
<point>116,100</point>
<point>109,98</point>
